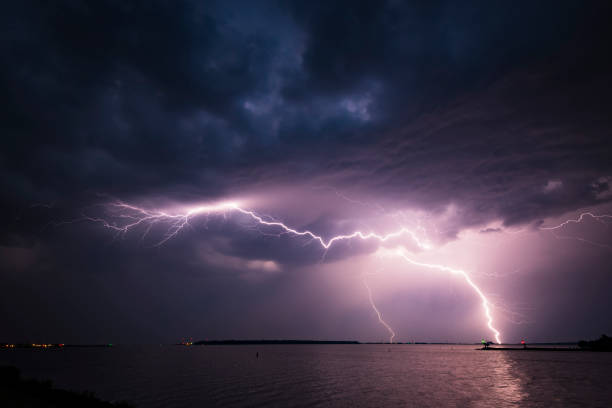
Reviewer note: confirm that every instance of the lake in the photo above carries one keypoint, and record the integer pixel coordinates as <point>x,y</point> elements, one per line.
<point>324,375</point>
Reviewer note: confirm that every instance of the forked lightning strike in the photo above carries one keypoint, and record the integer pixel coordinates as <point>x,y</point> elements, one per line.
<point>180,220</point>
<point>138,216</point>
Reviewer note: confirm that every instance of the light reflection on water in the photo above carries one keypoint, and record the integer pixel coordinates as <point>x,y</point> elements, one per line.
<point>325,375</point>
<point>508,379</point>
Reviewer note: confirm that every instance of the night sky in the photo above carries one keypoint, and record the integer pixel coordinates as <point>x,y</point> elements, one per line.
<point>474,126</point>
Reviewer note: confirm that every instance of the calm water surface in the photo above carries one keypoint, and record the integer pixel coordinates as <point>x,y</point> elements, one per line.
<point>325,375</point>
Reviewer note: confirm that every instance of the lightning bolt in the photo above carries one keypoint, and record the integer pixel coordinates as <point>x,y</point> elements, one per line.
<point>380,319</point>
<point>602,218</point>
<point>136,216</point>
<point>466,277</point>
<point>327,244</point>
<point>599,218</point>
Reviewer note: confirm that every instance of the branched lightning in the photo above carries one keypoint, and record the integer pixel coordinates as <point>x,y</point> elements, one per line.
<point>140,216</point>
<point>135,216</point>
<point>327,244</point>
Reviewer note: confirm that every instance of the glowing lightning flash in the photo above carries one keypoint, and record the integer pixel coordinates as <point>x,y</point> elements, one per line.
<point>137,216</point>
<point>380,319</point>
<point>180,220</point>
<point>466,277</point>
<point>327,244</point>
<point>140,216</point>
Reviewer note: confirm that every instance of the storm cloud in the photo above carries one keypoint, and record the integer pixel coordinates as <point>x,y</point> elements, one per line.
<point>485,116</point>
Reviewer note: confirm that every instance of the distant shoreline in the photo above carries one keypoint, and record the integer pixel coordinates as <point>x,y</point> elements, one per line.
<point>272,342</point>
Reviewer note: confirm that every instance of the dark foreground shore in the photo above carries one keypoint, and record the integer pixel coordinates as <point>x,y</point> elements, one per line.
<point>18,392</point>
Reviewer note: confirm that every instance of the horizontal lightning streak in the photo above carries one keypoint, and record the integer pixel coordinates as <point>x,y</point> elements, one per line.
<point>327,244</point>
<point>180,220</point>
<point>600,218</point>
<point>579,219</point>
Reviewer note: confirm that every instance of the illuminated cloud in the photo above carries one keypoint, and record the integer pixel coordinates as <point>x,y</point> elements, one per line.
<point>552,185</point>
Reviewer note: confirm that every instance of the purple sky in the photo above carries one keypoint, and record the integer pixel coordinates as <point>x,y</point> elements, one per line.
<point>475,128</point>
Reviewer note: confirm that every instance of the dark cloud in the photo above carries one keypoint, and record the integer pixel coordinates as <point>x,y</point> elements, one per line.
<point>139,97</point>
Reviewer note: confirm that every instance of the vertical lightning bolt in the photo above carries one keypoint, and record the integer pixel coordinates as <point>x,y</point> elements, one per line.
<point>466,277</point>
<point>380,319</point>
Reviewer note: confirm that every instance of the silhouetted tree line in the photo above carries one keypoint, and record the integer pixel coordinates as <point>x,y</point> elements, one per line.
<point>18,392</point>
<point>604,343</point>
